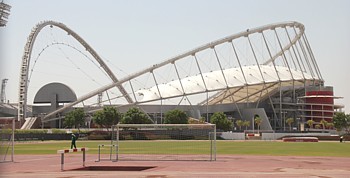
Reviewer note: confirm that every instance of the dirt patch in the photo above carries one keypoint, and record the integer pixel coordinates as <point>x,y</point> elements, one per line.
<point>311,162</point>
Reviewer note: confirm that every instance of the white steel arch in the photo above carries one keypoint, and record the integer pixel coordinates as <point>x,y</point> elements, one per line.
<point>260,78</point>
<point>23,83</point>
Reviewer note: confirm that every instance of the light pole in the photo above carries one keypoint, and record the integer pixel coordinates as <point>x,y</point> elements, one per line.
<point>284,120</point>
<point>298,123</point>
<point>253,123</point>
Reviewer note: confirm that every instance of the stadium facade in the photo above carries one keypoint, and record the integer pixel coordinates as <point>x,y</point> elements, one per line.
<point>268,71</point>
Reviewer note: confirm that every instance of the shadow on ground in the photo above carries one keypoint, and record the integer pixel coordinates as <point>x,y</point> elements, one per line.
<point>113,168</point>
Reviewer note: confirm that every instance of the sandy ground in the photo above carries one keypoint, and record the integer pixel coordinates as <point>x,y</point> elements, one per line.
<point>225,166</point>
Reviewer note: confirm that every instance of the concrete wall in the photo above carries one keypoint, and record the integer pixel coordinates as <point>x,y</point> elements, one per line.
<point>232,136</point>
<point>268,136</point>
<point>275,136</point>
<point>248,114</point>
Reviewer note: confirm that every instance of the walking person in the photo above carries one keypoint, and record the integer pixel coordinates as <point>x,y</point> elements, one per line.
<point>74,138</point>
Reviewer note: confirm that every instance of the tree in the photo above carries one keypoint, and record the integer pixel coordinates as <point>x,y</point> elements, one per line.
<point>68,120</point>
<point>347,125</point>
<point>112,116</point>
<point>203,120</point>
<point>74,118</point>
<point>135,116</point>
<point>310,123</point>
<point>246,124</point>
<point>289,121</point>
<point>239,123</point>
<point>318,126</point>
<point>221,121</point>
<point>257,121</point>
<point>330,125</point>
<point>341,121</point>
<point>107,117</point>
<point>98,118</point>
<point>175,116</point>
<point>323,123</point>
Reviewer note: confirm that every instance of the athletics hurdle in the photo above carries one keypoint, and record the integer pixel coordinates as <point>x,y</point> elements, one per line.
<point>62,152</point>
<point>110,153</point>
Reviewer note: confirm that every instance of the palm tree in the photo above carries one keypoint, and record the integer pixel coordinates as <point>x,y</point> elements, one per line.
<point>239,124</point>
<point>310,123</point>
<point>246,124</point>
<point>289,121</point>
<point>257,121</point>
<point>323,123</point>
<point>330,125</point>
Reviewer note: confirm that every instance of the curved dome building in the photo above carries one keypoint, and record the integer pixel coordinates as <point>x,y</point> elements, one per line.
<point>277,80</point>
<point>268,71</point>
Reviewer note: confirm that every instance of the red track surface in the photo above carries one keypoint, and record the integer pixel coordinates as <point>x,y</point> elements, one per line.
<point>225,166</point>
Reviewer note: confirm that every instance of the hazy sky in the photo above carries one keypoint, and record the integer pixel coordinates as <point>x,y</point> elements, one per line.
<point>138,34</point>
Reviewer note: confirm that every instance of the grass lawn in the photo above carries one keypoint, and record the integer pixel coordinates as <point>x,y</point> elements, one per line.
<point>275,148</point>
<point>284,148</point>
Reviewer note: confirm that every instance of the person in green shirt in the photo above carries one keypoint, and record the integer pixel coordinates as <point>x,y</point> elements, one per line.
<point>74,138</point>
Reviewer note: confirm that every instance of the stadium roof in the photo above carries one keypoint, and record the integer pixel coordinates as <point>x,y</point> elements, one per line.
<point>234,84</point>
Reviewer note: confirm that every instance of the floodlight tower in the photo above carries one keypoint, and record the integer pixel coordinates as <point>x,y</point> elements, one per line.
<point>2,94</point>
<point>4,13</point>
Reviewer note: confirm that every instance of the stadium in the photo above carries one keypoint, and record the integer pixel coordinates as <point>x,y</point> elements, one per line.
<point>156,58</point>
<point>269,71</point>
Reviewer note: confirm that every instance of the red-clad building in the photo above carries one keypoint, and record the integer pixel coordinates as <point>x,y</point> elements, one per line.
<point>318,104</point>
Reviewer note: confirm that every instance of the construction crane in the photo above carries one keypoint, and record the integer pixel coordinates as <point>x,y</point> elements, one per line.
<point>3,94</point>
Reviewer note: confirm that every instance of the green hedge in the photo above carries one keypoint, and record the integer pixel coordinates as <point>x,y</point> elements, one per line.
<point>99,135</point>
<point>31,131</point>
<point>58,131</point>
<point>42,131</point>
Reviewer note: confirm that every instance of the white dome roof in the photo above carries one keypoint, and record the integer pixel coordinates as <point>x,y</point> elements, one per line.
<point>215,81</point>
